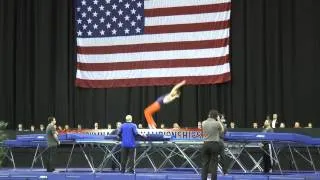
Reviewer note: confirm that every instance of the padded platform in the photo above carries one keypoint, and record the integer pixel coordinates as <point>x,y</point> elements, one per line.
<point>115,176</point>
<point>153,176</point>
<point>292,177</point>
<point>142,174</point>
<point>249,177</point>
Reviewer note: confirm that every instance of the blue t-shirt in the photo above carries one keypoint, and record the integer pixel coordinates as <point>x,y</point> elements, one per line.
<point>128,132</point>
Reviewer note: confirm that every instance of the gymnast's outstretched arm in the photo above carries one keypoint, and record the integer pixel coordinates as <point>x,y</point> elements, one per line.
<point>177,87</point>
<point>174,93</point>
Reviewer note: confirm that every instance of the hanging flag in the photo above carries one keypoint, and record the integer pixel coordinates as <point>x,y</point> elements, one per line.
<point>125,43</point>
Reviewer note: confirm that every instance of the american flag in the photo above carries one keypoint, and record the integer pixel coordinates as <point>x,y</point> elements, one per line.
<point>123,43</point>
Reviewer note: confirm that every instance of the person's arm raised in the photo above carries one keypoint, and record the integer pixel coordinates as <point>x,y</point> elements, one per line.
<point>221,125</point>
<point>177,86</point>
<point>174,93</point>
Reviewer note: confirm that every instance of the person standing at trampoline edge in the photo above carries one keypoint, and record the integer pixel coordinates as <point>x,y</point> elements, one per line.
<point>53,142</point>
<point>128,132</point>
<point>212,128</point>
<point>267,152</point>
<point>164,99</point>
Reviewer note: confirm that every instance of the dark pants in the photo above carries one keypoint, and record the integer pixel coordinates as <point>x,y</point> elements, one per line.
<point>210,152</point>
<point>222,158</point>
<point>266,158</point>
<point>50,158</point>
<point>127,159</point>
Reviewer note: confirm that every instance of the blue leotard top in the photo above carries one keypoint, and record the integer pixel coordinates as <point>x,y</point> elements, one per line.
<point>160,99</point>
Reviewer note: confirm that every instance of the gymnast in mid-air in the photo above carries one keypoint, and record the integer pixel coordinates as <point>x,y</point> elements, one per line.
<point>164,99</point>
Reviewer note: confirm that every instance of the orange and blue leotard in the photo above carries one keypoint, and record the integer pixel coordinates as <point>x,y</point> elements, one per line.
<point>151,109</point>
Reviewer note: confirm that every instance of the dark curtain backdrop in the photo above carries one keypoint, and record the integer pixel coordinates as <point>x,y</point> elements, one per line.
<point>275,68</point>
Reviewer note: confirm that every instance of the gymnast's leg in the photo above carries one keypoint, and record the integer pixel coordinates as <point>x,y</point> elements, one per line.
<point>149,111</point>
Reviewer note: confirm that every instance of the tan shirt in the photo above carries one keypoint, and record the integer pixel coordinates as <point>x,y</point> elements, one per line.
<point>51,140</point>
<point>211,130</point>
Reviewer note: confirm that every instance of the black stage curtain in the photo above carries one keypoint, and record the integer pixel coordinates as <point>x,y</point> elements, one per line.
<point>275,68</point>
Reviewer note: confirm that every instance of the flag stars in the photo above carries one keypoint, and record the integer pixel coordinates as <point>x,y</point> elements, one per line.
<point>120,12</point>
<point>138,30</point>
<point>127,18</point>
<point>133,11</point>
<point>114,6</point>
<point>127,5</point>
<point>79,33</point>
<point>101,20</point>
<point>89,21</point>
<point>139,17</point>
<point>139,4</point>
<point>120,24</point>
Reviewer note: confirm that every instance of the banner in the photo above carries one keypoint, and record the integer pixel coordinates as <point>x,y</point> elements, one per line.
<point>174,133</point>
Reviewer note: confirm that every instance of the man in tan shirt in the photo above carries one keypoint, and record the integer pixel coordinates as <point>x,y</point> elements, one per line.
<point>211,129</point>
<point>53,142</point>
